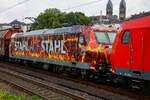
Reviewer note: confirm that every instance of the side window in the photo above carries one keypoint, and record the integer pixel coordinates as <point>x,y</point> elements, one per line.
<point>81,40</point>
<point>126,37</point>
<point>87,37</point>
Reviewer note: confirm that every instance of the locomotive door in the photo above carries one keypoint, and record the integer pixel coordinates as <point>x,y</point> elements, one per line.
<point>124,51</point>
<point>6,47</point>
<point>136,51</point>
<point>71,47</point>
<point>81,48</point>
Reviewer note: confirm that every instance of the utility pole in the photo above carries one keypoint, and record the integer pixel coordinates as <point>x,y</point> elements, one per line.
<point>100,19</point>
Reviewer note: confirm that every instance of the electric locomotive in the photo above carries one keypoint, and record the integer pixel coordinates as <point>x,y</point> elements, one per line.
<point>79,49</point>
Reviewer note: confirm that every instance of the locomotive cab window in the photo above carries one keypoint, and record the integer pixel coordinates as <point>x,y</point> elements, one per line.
<point>102,37</point>
<point>126,37</point>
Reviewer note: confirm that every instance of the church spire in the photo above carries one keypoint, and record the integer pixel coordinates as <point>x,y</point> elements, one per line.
<point>122,10</point>
<point>109,9</point>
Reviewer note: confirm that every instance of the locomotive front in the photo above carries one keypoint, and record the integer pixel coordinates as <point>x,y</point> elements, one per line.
<point>97,47</point>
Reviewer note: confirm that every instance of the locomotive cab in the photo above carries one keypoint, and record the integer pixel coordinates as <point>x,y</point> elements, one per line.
<point>96,48</point>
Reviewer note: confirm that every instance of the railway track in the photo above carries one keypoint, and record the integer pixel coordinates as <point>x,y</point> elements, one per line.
<point>29,87</point>
<point>40,87</point>
<point>84,91</point>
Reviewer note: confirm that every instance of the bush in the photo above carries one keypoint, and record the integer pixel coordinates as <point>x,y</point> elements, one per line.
<point>8,96</point>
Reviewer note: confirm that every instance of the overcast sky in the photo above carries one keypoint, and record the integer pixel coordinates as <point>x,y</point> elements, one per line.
<point>31,8</point>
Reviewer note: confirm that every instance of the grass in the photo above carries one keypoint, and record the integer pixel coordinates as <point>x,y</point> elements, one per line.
<point>9,96</point>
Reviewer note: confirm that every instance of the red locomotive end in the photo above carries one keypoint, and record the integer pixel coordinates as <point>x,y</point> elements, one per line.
<point>130,53</point>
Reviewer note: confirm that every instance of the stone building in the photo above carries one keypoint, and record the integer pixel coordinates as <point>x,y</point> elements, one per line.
<point>110,18</point>
<point>122,10</point>
<point>109,9</point>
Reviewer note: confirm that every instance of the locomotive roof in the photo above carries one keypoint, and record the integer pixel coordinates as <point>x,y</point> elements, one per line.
<point>104,29</point>
<point>73,29</point>
<point>66,30</point>
<point>37,32</point>
<point>143,22</point>
<point>2,33</point>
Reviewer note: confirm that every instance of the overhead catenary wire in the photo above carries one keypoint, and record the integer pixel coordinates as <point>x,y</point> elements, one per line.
<point>13,6</point>
<point>24,1</point>
<point>81,5</point>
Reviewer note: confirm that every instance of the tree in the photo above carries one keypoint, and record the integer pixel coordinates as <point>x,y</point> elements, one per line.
<point>77,18</point>
<point>54,18</point>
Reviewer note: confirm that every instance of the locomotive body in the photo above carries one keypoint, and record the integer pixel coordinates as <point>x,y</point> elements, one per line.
<point>131,49</point>
<point>80,47</point>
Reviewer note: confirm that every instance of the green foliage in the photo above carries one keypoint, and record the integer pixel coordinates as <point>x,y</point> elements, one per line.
<point>77,18</point>
<point>7,96</point>
<point>35,98</point>
<point>54,18</point>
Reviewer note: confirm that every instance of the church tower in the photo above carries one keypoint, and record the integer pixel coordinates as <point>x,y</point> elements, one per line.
<point>122,10</point>
<point>109,9</point>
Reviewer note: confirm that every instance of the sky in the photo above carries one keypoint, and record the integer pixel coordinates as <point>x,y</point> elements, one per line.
<point>19,9</point>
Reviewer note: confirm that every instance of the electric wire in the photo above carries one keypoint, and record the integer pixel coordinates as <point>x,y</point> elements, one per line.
<point>81,5</point>
<point>13,6</point>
